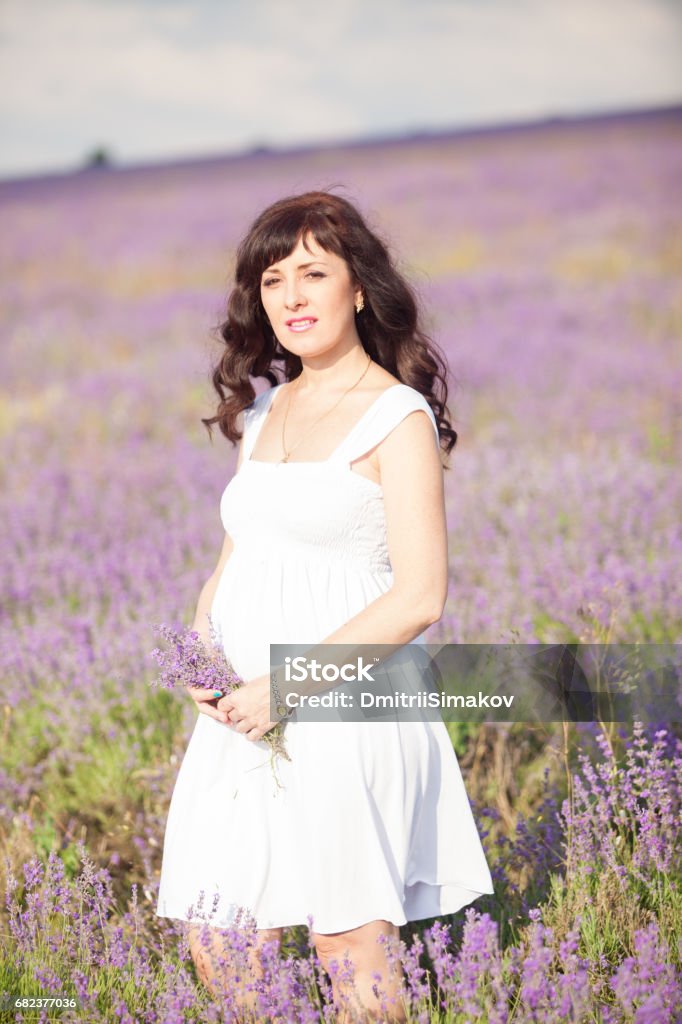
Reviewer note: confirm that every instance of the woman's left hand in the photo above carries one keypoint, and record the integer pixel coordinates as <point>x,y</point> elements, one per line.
<point>248,708</point>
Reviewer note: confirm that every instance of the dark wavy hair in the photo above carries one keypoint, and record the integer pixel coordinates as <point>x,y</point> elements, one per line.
<point>389,325</point>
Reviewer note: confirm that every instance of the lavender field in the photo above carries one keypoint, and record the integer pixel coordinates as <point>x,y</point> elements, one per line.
<point>550,260</point>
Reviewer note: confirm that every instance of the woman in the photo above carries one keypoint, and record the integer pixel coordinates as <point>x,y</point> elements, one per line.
<point>335,534</point>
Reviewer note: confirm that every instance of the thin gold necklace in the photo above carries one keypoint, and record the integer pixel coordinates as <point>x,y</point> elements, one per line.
<point>287,452</point>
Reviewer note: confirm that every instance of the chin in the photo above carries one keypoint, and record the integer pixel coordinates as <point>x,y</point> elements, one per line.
<point>309,351</point>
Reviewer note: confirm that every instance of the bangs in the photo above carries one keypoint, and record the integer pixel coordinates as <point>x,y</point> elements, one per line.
<point>277,236</point>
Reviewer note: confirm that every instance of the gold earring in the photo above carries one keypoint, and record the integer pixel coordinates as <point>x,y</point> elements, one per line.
<point>360,305</point>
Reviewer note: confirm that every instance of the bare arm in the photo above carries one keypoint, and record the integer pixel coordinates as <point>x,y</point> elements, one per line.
<point>414,505</point>
<point>201,620</point>
<point>209,588</point>
<point>201,616</point>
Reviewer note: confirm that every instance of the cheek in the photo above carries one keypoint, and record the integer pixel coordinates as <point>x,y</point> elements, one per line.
<point>341,302</point>
<point>269,305</point>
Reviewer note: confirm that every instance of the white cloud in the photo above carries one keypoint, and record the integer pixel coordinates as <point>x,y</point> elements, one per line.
<point>152,79</point>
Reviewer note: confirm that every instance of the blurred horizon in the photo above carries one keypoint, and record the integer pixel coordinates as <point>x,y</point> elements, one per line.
<point>101,159</point>
<point>149,82</point>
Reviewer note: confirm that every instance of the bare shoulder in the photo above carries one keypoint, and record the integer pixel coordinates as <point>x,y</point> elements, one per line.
<point>382,379</point>
<point>413,435</point>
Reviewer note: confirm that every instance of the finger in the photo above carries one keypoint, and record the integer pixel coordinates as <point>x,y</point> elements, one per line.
<point>198,693</point>
<point>225,704</point>
<point>254,735</point>
<point>208,709</point>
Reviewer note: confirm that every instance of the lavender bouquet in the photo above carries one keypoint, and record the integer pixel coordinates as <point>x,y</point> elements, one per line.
<point>191,661</point>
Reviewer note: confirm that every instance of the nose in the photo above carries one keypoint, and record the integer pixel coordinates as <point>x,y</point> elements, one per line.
<point>293,296</point>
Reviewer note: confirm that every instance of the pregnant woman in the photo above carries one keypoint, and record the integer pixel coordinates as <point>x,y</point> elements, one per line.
<point>334,534</point>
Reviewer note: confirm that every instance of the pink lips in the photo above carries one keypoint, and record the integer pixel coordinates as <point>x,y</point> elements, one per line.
<point>301,324</point>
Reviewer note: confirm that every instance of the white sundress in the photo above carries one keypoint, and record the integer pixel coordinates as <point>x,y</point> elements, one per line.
<point>370,820</point>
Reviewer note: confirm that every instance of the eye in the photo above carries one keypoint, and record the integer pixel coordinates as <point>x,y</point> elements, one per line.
<point>269,280</point>
<point>315,273</point>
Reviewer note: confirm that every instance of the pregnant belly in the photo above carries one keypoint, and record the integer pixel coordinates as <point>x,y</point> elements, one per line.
<point>286,602</point>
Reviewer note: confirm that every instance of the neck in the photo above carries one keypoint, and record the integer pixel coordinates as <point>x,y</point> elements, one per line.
<point>324,374</point>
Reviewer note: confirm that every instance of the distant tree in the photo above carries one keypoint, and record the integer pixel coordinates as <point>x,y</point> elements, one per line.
<point>98,157</point>
<point>259,149</point>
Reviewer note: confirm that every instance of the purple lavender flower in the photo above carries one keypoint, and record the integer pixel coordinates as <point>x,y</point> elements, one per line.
<point>647,985</point>
<point>191,661</point>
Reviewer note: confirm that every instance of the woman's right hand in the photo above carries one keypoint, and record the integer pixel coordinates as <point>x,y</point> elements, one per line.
<point>205,702</point>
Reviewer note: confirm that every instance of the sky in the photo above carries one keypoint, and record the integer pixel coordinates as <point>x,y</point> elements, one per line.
<point>154,80</point>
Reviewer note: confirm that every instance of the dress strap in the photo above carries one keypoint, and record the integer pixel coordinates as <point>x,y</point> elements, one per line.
<point>254,417</point>
<point>387,411</point>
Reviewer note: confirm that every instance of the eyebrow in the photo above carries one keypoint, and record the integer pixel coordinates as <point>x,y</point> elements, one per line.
<point>301,266</point>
